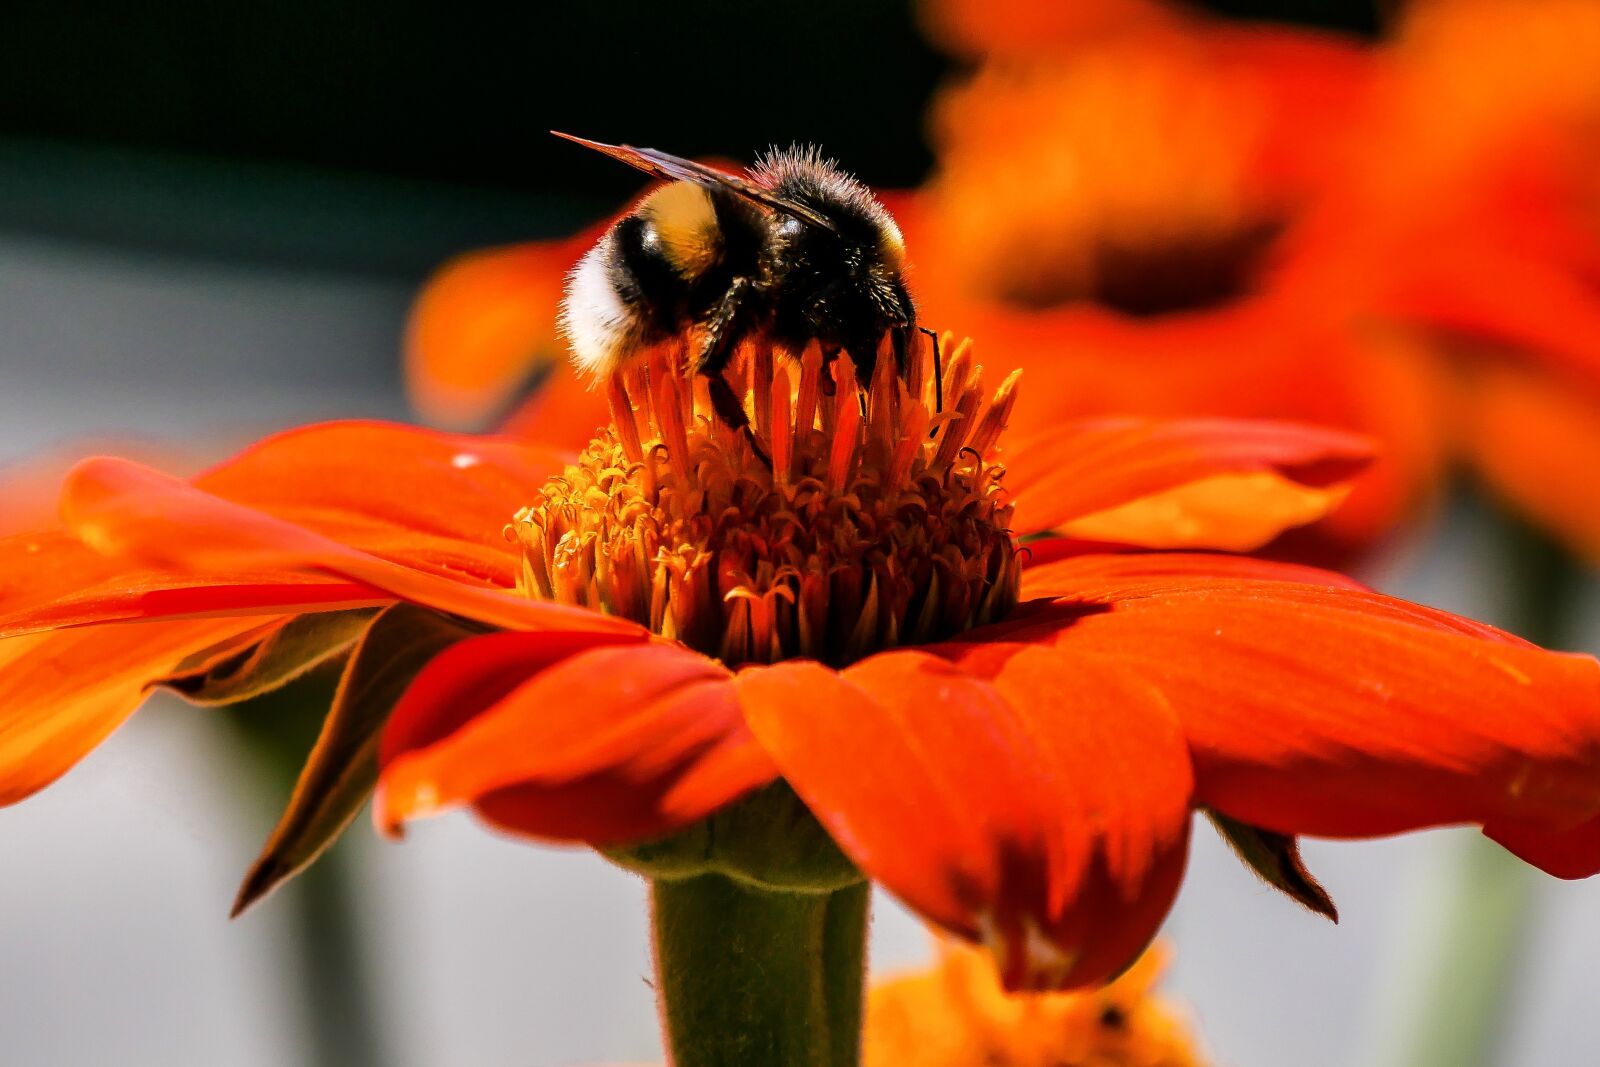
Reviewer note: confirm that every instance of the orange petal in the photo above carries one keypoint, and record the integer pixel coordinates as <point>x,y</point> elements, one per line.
<point>28,488</point>
<point>51,579</point>
<point>1018,808</point>
<point>61,694</point>
<point>1025,28</point>
<point>434,501</point>
<point>484,325</point>
<point>1183,482</point>
<point>1326,710</point>
<point>120,508</point>
<point>564,412</point>
<point>1063,569</point>
<point>569,737</point>
<point>1573,853</point>
<point>1536,439</point>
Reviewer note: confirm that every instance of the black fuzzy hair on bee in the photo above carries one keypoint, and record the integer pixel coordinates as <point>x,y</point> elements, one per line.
<point>794,252</point>
<point>802,174</point>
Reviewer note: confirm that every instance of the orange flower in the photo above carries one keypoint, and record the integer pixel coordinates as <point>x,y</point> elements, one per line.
<point>665,630</point>
<point>1478,186</point>
<point>485,326</point>
<point>955,1015</point>
<point>1229,219</point>
<point>1020,27</point>
<point>1114,217</point>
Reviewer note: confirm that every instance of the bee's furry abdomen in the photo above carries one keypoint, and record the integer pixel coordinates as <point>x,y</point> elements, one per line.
<point>656,273</point>
<point>625,293</point>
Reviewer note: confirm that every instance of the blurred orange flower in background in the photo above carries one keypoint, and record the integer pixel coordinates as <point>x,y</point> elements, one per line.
<point>485,326</point>
<point>1114,213</point>
<point>955,1014</point>
<point>1477,187</point>
<point>949,708</point>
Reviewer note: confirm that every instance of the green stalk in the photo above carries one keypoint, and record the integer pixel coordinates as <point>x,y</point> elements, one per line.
<point>756,976</point>
<point>319,910</point>
<point>334,989</point>
<point>1477,940</point>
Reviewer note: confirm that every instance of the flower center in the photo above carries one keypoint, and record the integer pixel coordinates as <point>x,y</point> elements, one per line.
<point>878,523</point>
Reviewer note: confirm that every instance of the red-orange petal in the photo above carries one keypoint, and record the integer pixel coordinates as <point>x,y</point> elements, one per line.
<point>50,579</point>
<point>569,737</point>
<point>29,487</point>
<point>433,501</point>
<point>564,412</point>
<point>1573,853</point>
<point>123,509</point>
<point>1334,711</point>
<point>1535,437</point>
<point>1062,568</point>
<point>1028,29</point>
<point>483,325</point>
<point>1184,469</point>
<point>1042,808</point>
<point>61,694</point>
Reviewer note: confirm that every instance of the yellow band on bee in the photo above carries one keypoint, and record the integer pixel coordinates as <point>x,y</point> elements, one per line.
<point>686,222</point>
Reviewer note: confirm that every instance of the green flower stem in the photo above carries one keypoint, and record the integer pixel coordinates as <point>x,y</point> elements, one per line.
<point>338,1014</point>
<point>755,976</point>
<point>1477,947</point>
<point>334,987</point>
<point>1478,942</point>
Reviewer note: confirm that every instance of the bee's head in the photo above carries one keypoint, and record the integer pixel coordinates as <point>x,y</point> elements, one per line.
<point>851,267</point>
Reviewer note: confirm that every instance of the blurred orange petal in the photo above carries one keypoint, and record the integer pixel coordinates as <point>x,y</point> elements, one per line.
<point>484,325</point>
<point>1026,27</point>
<point>1535,439</point>
<point>28,488</point>
<point>53,711</point>
<point>956,1014</point>
<point>564,412</point>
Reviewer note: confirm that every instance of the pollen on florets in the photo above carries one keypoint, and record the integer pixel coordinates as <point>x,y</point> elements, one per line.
<point>877,523</point>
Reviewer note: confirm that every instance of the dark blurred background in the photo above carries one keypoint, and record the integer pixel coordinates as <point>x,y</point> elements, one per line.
<point>382,136</point>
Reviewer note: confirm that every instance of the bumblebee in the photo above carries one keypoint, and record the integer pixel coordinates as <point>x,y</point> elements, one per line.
<point>795,251</point>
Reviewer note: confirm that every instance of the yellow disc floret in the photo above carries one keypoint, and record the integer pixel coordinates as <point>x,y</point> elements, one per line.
<point>878,522</point>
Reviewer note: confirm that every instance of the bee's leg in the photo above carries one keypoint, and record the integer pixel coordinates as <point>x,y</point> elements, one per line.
<point>938,370</point>
<point>732,414</point>
<point>723,331</point>
<point>829,354</point>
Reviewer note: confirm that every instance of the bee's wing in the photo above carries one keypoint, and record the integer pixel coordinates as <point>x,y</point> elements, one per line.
<point>676,168</point>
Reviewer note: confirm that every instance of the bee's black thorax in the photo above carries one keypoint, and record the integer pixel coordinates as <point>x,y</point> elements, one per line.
<point>668,292</point>
<point>837,286</point>
<point>708,263</point>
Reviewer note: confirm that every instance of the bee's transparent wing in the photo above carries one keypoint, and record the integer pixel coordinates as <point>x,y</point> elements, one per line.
<point>676,168</point>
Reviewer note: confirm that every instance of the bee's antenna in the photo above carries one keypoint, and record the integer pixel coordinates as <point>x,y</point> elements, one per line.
<point>938,371</point>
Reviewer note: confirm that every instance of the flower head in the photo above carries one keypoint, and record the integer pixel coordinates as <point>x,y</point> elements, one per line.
<point>664,640</point>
